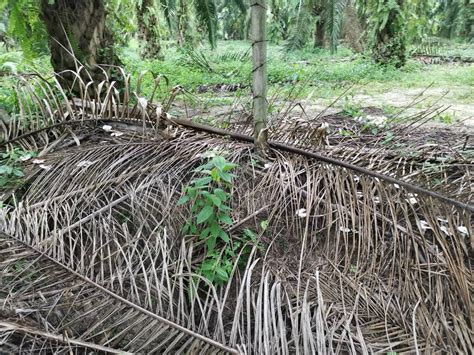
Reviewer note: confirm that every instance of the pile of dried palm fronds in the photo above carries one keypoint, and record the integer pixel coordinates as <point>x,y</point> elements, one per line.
<point>93,257</point>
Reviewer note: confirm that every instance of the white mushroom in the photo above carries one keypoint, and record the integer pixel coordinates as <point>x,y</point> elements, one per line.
<point>46,167</point>
<point>301,213</point>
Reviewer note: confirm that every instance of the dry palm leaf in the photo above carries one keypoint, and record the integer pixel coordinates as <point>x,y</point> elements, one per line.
<point>355,261</point>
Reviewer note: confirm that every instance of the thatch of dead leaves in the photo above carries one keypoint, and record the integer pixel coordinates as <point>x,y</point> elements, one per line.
<point>92,256</point>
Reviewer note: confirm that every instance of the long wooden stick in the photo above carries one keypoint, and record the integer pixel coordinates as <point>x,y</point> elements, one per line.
<point>259,72</point>
<point>61,339</point>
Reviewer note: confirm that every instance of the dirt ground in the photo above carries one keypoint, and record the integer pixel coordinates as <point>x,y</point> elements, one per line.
<point>397,98</point>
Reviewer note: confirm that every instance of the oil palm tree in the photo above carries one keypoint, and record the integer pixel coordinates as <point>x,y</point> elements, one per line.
<point>182,22</point>
<point>206,13</point>
<point>147,21</point>
<point>80,24</point>
<point>327,16</point>
<point>388,31</point>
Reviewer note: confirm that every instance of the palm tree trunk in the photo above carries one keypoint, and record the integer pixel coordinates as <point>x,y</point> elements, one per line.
<point>78,25</point>
<point>390,40</point>
<point>259,84</point>
<point>147,30</point>
<point>183,22</point>
<point>319,33</point>
<point>468,31</point>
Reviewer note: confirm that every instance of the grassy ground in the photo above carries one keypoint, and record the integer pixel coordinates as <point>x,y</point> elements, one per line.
<point>330,74</point>
<point>321,76</point>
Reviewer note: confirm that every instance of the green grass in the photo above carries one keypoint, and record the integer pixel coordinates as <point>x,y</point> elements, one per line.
<point>12,63</point>
<point>326,76</point>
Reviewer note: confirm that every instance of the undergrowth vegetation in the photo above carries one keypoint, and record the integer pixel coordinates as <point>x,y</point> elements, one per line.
<point>322,75</point>
<point>208,196</point>
<point>328,73</point>
<point>269,244</point>
<point>11,171</point>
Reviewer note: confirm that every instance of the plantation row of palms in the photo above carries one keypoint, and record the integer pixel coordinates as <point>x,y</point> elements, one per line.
<point>88,32</point>
<point>385,26</point>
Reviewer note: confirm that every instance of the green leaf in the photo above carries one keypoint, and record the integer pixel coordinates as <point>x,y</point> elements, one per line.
<point>215,175</point>
<point>208,265</point>
<point>222,274</point>
<point>215,229</point>
<point>225,237</point>
<point>226,177</point>
<point>225,218</point>
<point>221,194</point>
<point>230,166</point>
<point>205,214</point>
<point>191,192</point>
<point>18,172</point>
<point>202,181</point>
<point>5,169</point>
<point>204,193</point>
<point>214,199</point>
<point>184,199</point>
<point>204,233</point>
<point>224,208</point>
<point>250,234</point>
<point>219,162</point>
<point>211,243</point>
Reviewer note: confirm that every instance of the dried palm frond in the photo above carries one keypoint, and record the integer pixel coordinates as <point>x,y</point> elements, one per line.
<point>80,311</point>
<point>441,160</point>
<point>350,260</point>
<point>88,222</point>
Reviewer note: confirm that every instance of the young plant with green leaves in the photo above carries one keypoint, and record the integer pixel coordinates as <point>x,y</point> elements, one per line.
<point>11,171</point>
<point>209,196</point>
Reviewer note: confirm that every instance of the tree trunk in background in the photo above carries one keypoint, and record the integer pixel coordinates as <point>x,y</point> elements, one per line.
<point>352,31</point>
<point>319,32</point>
<point>468,31</point>
<point>148,30</point>
<point>183,22</point>
<point>390,39</point>
<point>84,23</point>
<point>259,84</point>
